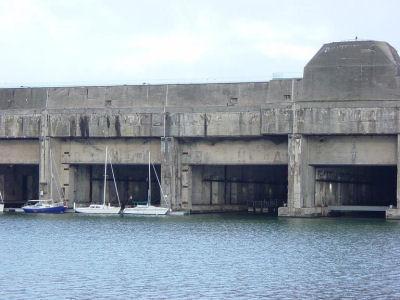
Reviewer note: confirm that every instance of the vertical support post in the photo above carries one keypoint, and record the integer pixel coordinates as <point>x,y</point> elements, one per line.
<point>301,180</point>
<point>398,173</point>
<point>170,172</point>
<point>186,184</point>
<point>394,212</point>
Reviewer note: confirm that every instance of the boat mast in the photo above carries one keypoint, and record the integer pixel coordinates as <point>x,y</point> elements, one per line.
<point>105,178</point>
<point>149,189</point>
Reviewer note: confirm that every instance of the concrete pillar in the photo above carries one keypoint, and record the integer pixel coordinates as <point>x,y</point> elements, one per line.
<point>301,180</point>
<point>170,172</point>
<point>398,173</point>
<point>394,212</point>
<point>186,184</point>
<point>47,163</point>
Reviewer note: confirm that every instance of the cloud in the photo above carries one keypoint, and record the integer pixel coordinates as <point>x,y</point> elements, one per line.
<point>174,47</point>
<point>97,40</point>
<point>278,42</point>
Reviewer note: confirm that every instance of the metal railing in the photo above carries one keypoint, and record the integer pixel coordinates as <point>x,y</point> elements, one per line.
<point>266,204</point>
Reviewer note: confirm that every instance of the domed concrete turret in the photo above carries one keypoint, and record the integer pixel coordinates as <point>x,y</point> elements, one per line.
<point>356,70</point>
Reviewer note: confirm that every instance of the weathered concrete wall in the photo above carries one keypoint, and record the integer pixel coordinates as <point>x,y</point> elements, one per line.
<point>272,151</point>
<point>121,151</point>
<point>23,98</point>
<point>353,71</point>
<point>21,151</point>
<point>345,111</point>
<point>353,150</point>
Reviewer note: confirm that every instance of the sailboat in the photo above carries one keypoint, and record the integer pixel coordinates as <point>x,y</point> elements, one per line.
<point>1,203</point>
<point>148,209</point>
<point>102,208</point>
<point>47,206</point>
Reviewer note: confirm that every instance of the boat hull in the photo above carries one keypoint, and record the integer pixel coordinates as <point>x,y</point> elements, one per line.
<point>146,210</point>
<point>106,210</point>
<point>44,210</point>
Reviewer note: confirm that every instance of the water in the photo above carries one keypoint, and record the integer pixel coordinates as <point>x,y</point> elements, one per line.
<point>204,256</point>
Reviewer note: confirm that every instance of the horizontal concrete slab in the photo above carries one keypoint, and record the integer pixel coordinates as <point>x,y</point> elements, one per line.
<point>357,208</point>
<point>251,151</point>
<point>121,151</point>
<point>353,150</point>
<point>21,151</point>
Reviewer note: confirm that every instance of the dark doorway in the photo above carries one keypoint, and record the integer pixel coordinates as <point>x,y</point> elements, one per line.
<point>242,186</point>
<point>364,191</point>
<point>19,183</point>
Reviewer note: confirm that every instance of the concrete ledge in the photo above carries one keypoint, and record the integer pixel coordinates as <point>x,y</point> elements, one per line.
<point>357,208</point>
<point>393,213</point>
<point>218,208</point>
<point>308,212</point>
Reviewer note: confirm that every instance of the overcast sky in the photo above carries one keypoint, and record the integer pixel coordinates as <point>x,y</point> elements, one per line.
<point>72,42</point>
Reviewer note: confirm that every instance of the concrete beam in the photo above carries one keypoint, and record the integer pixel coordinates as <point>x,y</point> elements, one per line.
<point>170,175</point>
<point>394,212</point>
<point>353,150</point>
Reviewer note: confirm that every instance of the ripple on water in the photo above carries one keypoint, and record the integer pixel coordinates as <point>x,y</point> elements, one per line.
<point>210,256</point>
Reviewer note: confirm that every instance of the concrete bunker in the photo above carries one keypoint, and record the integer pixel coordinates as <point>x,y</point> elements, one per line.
<point>257,188</point>
<point>19,183</point>
<point>131,180</point>
<point>356,190</point>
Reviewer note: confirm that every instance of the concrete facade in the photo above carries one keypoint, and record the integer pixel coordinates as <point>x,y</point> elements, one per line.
<point>209,139</point>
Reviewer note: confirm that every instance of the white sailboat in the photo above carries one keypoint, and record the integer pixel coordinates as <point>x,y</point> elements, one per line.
<point>148,209</point>
<point>102,208</point>
<point>1,203</point>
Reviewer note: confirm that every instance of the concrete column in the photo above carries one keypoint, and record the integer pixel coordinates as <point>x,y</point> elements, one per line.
<point>48,163</point>
<point>186,184</point>
<point>394,213</point>
<point>301,180</point>
<point>59,177</point>
<point>170,172</point>
<point>398,173</point>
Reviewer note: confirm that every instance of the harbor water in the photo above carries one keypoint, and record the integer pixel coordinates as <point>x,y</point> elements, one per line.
<point>197,257</point>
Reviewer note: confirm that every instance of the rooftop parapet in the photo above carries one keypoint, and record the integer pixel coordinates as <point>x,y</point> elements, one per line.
<point>243,94</point>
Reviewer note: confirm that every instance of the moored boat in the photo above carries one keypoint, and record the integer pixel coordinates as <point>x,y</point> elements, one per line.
<point>1,203</point>
<point>98,209</point>
<point>47,206</point>
<point>147,209</point>
<point>102,208</point>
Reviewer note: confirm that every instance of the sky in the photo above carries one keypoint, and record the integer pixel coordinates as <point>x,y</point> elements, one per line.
<point>106,42</point>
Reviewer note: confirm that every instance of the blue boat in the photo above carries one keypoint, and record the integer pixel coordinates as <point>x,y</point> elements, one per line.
<point>47,206</point>
<point>44,206</point>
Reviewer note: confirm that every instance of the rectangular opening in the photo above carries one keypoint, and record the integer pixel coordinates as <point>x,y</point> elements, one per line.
<point>19,183</point>
<point>359,190</point>
<point>239,187</point>
<point>131,180</point>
